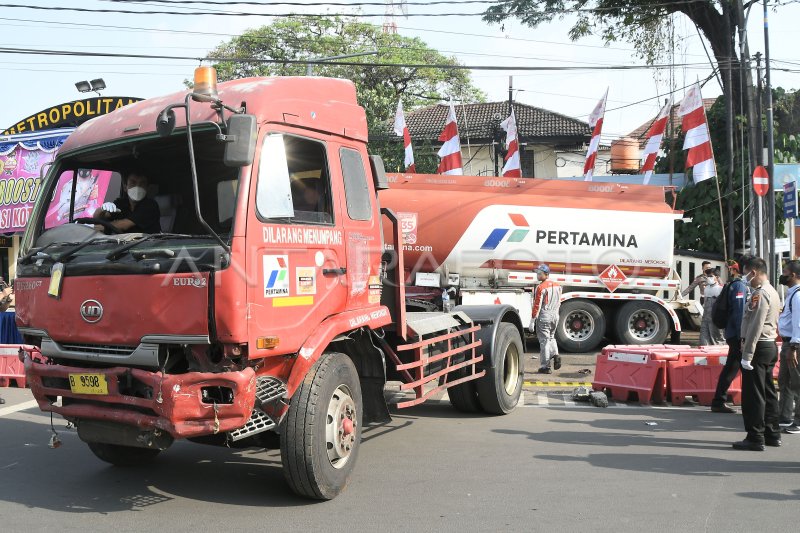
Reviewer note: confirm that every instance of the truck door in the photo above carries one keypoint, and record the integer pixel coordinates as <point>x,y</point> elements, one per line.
<point>297,265</point>
<point>362,231</point>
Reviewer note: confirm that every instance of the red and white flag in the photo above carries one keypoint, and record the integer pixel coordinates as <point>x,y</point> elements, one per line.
<point>596,123</point>
<point>401,129</point>
<point>654,136</point>
<point>511,168</point>
<point>450,152</point>
<point>698,139</point>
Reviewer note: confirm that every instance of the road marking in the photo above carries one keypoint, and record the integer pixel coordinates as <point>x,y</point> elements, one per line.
<point>558,384</point>
<point>543,399</point>
<point>19,407</point>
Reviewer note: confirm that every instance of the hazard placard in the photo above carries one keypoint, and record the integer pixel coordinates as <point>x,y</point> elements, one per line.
<point>612,277</point>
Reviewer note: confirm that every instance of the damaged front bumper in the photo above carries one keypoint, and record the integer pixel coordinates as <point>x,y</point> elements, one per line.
<point>184,405</point>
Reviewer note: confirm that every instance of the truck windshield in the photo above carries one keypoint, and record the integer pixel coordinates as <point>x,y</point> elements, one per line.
<point>93,195</point>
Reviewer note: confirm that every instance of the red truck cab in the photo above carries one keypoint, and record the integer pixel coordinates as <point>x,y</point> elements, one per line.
<point>265,310</point>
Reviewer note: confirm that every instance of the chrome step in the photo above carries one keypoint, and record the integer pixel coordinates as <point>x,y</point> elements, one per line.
<point>258,423</point>
<point>268,389</point>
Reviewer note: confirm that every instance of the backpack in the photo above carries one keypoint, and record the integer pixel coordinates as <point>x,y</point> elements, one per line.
<point>722,307</point>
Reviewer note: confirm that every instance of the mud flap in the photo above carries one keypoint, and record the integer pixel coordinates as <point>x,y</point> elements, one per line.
<point>376,411</point>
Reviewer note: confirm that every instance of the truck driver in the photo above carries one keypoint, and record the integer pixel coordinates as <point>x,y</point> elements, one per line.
<point>134,213</point>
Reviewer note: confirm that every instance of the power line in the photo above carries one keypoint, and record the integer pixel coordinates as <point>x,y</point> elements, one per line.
<point>560,11</point>
<point>34,51</point>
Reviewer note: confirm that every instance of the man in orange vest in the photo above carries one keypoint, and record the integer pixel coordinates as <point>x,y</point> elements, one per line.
<point>546,303</point>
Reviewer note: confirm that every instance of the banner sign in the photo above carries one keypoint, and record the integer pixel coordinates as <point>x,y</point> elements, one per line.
<point>69,114</point>
<point>19,186</point>
<point>89,195</point>
<point>790,200</point>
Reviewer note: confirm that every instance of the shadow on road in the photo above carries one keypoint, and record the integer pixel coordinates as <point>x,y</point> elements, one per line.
<point>773,496</point>
<point>70,479</point>
<point>682,465</point>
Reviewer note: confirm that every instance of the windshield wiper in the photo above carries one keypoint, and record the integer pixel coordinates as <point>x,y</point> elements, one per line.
<point>40,254</point>
<point>116,253</point>
<point>69,254</point>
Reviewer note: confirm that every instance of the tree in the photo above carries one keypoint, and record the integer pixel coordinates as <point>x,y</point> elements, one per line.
<point>639,22</point>
<point>379,88</point>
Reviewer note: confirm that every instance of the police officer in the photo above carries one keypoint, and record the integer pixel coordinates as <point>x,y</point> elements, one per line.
<point>546,303</point>
<point>759,355</point>
<point>700,281</point>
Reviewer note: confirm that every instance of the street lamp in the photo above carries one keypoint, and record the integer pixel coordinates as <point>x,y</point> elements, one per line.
<point>95,85</point>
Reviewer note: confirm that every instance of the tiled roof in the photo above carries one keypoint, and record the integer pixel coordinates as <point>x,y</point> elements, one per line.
<point>640,133</point>
<point>477,120</point>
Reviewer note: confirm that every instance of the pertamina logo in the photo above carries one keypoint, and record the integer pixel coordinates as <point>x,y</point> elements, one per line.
<point>276,276</point>
<point>518,234</point>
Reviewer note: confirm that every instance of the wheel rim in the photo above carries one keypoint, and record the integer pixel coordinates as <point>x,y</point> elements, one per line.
<point>578,325</point>
<point>341,426</point>
<point>511,369</point>
<point>643,325</point>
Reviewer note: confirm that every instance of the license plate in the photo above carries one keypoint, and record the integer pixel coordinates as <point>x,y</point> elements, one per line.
<point>88,383</point>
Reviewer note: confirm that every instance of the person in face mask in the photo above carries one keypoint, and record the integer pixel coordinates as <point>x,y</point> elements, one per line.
<point>133,213</point>
<point>709,333</point>
<point>789,329</point>
<point>700,281</point>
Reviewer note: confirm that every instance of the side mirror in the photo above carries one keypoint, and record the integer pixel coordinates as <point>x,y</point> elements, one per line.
<point>240,147</point>
<point>378,173</point>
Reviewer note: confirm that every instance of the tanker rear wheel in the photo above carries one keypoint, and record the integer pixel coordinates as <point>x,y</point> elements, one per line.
<point>581,326</point>
<point>642,323</point>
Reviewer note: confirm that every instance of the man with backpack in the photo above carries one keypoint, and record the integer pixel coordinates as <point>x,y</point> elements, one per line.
<point>727,313</point>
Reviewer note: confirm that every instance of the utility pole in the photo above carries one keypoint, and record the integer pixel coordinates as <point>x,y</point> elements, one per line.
<point>729,132</point>
<point>746,73</point>
<point>771,148</point>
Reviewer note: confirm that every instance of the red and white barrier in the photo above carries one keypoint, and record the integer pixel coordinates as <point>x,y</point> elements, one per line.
<point>11,368</point>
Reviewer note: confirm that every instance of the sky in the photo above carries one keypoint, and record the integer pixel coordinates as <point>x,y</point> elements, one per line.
<point>31,83</point>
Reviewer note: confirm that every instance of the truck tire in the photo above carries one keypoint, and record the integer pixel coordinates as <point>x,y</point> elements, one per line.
<point>321,432</point>
<point>581,326</point>
<point>119,455</point>
<point>499,390</point>
<point>463,397</point>
<point>642,323</point>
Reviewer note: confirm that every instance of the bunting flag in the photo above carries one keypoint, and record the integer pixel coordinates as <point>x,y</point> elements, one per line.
<point>511,169</point>
<point>450,152</point>
<point>654,136</point>
<point>596,123</point>
<point>698,140</point>
<point>401,129</point>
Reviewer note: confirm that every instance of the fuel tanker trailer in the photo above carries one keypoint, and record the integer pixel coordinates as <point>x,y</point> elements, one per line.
<point>474,240</point>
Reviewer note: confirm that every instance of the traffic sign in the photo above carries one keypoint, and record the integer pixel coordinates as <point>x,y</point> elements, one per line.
<point>760,180</point>
<point>790,199</point>
<point>612,277</point>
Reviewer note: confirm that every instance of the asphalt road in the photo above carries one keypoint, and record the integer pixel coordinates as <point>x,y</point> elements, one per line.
<point>556,465</point>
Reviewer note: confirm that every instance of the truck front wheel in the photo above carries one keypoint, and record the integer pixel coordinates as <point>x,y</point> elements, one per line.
<point>499,390</point>
<point>321,432</point>
<point>642,323</point>
<point>119,455</point>
<point>581,326</point>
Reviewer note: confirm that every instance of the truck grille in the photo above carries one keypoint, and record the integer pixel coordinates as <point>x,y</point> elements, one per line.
<point>100,349</point>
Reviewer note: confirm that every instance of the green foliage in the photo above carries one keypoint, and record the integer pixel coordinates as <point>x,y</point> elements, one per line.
<point>379,88</point>
<point>700,201</point>
<point>641,22</point>
<point>787,149</point>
